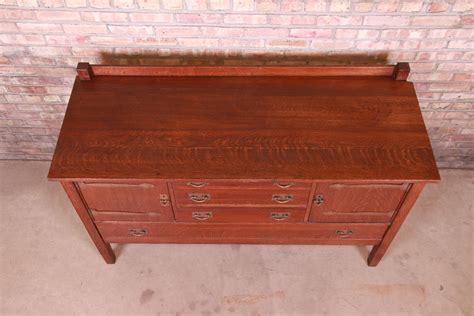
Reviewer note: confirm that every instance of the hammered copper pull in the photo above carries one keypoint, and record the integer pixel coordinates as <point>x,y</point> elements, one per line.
<point>282,198</point>
<point>199,197</point>
<point>280,216</point>
<point>284,185</point>
<point>197,184</point>
<point>137,232</point>
<point>344,232</point>
<point>201,216</point>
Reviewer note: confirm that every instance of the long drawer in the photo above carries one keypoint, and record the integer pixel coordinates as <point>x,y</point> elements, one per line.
<point>143,232</point>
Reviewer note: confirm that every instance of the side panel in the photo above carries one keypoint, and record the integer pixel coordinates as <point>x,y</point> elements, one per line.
<point>76,200</point>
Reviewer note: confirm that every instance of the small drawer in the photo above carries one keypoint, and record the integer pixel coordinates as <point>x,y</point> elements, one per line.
<point>225,196</point>
<point>192,185</point>
<point>239,215</point>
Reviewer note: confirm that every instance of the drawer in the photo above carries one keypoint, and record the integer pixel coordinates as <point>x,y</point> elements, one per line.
<point>142,232</point>
<point>245,197</point>
<point>241,197</point>
<point>127,201</point>
<point>357,202</point>
<point>241,184</point>
<point>240,215</point>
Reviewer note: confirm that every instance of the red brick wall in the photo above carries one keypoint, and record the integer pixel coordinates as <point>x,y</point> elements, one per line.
<point>42,41</point>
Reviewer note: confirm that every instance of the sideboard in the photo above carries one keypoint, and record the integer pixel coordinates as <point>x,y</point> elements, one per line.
<point>257,155</point>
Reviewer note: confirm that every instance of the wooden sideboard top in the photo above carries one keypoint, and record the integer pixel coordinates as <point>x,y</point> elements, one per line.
<point>243,123</point>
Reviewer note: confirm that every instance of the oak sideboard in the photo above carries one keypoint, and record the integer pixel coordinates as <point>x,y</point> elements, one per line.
<point>257,155</point>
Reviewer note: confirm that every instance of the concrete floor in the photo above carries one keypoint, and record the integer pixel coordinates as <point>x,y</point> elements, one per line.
<point>50,267</point>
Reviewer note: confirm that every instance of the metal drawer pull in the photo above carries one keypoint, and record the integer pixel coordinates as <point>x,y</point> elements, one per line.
<point>282,198</point>
<point>278,216</point>
<point>284,185</point>
<point>318,199</point>
<point>137,232</point>
<point>164,200</point>
<point>344,232</point>
<point>197,184</point>
<point>202,216</point>
<point>199,197</point>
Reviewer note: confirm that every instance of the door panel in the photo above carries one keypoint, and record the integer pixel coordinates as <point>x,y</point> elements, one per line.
<point>113,199</point>
<point>356,203</point>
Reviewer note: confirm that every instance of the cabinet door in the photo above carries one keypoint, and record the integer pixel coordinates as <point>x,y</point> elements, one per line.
<point>127,201</point>
<point>356,203</point>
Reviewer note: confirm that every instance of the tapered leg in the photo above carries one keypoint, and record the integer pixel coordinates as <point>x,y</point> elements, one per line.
<point>76,200</point>
<point>379,250</point>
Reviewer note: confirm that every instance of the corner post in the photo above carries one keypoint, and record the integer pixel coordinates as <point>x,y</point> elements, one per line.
<point>84,71</point>
<point>401,71</point>
<point>379,250</point>
<point>76,200</point>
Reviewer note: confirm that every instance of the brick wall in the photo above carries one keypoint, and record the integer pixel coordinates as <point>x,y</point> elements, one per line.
<point>42,41</point>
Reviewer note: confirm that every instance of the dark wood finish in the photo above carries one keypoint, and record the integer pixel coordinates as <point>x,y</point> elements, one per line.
<point>401,71</point>
<point>322,128</point>
<point>357,203</point>
<point>271,155</point>
<point>84,71</point>
<point>227,71</point>
<point>103,247</point>
<point>379,250</point>
<point>363,234</point>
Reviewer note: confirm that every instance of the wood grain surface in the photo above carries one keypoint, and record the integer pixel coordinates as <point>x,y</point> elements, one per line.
<point>302,127</point>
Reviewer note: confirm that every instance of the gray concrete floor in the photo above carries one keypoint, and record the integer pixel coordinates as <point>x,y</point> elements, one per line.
<point>50,267</point>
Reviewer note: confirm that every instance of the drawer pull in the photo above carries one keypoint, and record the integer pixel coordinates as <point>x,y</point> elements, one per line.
<point>282,198</point>
<point>137,232</point>
<point>201,216</point>
<point>199,197</point>
<point>318,199</point>
<point>284,185</point>
<point>278,216</point>
<point>344,232</point>
<point>197,184</point>
<point>164,200</point>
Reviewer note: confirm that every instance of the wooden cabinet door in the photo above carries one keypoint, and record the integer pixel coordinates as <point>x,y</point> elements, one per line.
<point>127,201</point>
<point>356,203</point>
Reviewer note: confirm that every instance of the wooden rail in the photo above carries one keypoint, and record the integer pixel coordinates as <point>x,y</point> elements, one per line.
<point>400,71</point>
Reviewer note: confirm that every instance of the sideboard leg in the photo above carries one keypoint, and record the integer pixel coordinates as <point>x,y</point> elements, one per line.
<point>379,250</point>
<point>103,247</point>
